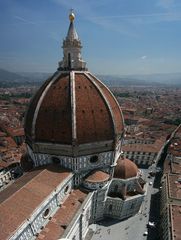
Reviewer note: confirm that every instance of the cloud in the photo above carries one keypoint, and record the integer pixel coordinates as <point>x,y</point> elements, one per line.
<point>88,9</point>
<point>151,17</point>
<point>143,57</point>
<point>23,20</point>
<point>133,16</point>
<point>125,24</point>
<point>167,4</point>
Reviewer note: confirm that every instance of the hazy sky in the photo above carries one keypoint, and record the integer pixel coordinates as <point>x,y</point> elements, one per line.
<point>118,36</point>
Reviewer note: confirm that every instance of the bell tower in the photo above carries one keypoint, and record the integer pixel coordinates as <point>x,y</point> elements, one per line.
<point>72,59</point>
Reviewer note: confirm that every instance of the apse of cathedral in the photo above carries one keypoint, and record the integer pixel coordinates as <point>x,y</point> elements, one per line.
<point>74,172</point>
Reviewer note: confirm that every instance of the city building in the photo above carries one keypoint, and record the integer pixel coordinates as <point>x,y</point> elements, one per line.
<point>76,175</point>
<point>143,152</point>
<point>170,191</point>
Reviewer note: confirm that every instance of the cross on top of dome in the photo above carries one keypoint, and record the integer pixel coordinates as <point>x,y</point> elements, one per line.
<point>72,34</point>
<point>71,15</point>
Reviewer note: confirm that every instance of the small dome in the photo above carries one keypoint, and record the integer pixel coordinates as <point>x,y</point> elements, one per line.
<point>95,180</point>
<point>125,169</point>
<point>98,176</point>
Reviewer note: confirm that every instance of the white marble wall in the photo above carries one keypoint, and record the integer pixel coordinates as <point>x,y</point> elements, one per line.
<point>5,177</point>
<point>118,184</point>
<point>76,164</point>
<point>117,151</point>
<point>98,204</point>
<point>25,234</point>
<point>94,186</point>
<point>38,219</point>
<point>118,208</point>
<point>76,59</point>
<point>79,226</point>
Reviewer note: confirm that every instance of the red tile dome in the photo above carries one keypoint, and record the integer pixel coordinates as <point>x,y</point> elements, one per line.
<point>125,169</point>
<point>73,108</point>
<point>97,176</point>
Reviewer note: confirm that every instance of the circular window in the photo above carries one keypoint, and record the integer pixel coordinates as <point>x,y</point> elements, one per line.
<point>94,159</point>
<point>66,189</point>
<point>55,160</point>
<point>46,213</point>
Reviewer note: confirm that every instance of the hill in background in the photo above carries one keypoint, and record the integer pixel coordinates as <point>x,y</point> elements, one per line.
<point>12,79</point>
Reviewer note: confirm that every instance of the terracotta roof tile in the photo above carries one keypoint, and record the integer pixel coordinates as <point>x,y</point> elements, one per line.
<point>31,110</point>
<point>94,121</point>
<point>137,147</point>
<point>175,221</point>
<point>93,118</point>
<point>20,199</point>
<point>125,168</point>
<point>54,117</point>
<point>62,218</point>
<point>174,186</point>
<point>117,114</point>
<point>97,176</point>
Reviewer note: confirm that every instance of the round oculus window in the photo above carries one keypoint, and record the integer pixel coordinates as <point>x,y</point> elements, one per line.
<point>55,160</point>
<point>94,159</point>
<point>66,189</point>
<point>46,213</point>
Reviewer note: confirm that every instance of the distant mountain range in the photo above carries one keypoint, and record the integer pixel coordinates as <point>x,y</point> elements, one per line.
<point>35,76</point>
<point>8,78</point>
<point>163,79</point>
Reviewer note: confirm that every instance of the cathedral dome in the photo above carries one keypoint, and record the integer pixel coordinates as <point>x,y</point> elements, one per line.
<point>73,108</point>
<point>125,169</point>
